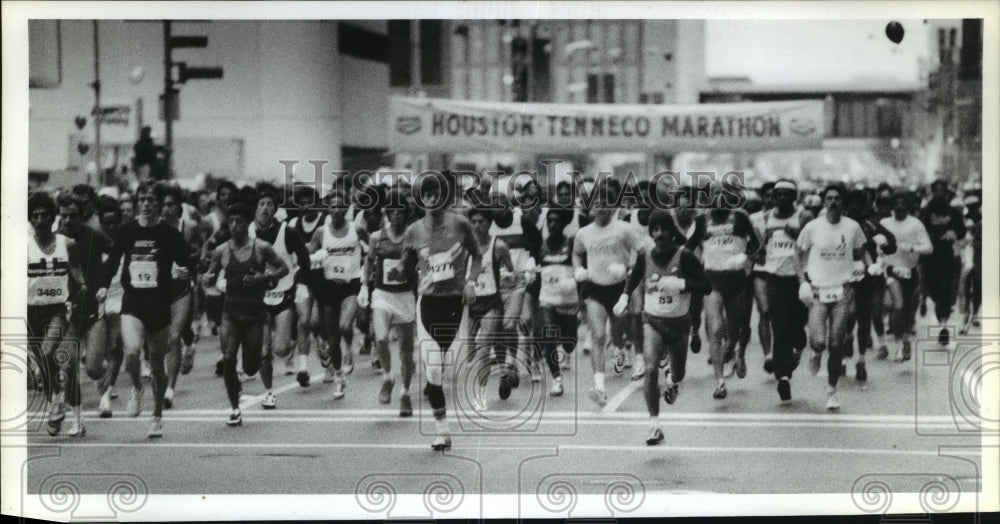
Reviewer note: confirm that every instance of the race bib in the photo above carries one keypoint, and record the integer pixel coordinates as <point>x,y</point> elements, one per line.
<point>273,298</point>
<point>830,294</point>
<point>388,264</point>
<point>780,245</point>
<point>143,273</point>
<point>47,290</point>
<point>901,272</point>
<point>338,267</point>
<point>441,267</point>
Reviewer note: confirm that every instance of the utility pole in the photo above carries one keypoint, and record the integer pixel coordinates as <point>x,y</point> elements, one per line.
<point>168,98</point>
<point>98,112</point>
<point>171,95</point>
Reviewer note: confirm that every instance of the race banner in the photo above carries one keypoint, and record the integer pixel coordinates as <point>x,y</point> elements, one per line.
<point>434,125</point>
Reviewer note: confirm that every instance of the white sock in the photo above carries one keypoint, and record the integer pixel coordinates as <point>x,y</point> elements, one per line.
<point>654,421</point>
<point>831,390</point>
<point>861,357</point>
<point>386,376</point>
<point>599,381</point>
<point>441,425</point>
<point>303,360</point>
<point>880,339</point>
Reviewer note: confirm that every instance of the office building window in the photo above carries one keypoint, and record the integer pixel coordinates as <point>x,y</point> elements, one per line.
<point>431,51</point>
<point>400,53</point>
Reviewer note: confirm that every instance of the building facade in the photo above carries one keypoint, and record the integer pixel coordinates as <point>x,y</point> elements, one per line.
<point>291,90</point>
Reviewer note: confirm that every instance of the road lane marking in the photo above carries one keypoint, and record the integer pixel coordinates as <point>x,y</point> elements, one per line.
<point>708,417</point>
<point>567,447</point>
<point>622,395</point>
<point>324,419</point>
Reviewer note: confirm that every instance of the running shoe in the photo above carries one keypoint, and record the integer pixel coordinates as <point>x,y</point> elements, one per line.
<point>270,401</point>
<point>235,418</point>
<point>348,364</point>
<point>860,371</point>
<point>785,390</point>
<point>695,343</point>
<point>907,350</point>
<point>665,362</point>
<point>441,443</point>
<point>376,364</point>
<point>741,367</point>
<point>187,361</point>
<point>385,395</point>
<point>145,371</point>
<point>883,352</point>
<point>832,402</point>
<point>815,361</point>
<point>324,358</point>
<point>329,375</point>
<point>505,386</point>
<point>639,372</point>
<point>943,337</point>
<point>134,406</point>
<point>76,428</point>
<point>57,413</point>
<point>655,437</point>
<point>768,364</point>
<point>720,392</point>
<point>104,407</point>
<point>303,378</point>
<point>114,394</point>
<point>618,367</point>
<point>670,392</point>
<point>168,398</point>
<point>557,388</point>
<point>405,406</point>
<point>155,428</point>
<point>339,385</point>
<point>599,396</point>
<point>535,372</point>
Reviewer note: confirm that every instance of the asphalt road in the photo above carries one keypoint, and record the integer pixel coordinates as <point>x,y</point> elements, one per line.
<point>892,428</point>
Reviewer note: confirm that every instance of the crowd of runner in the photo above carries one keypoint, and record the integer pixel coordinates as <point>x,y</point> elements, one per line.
<point>133,280</point>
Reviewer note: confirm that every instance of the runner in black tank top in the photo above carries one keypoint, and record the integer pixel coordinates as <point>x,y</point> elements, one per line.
<point>245,262</point>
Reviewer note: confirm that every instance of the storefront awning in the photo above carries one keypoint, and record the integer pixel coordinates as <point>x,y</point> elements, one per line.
<point>434,125</point>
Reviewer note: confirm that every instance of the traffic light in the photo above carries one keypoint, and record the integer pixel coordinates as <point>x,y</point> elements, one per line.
<point>185,73</point>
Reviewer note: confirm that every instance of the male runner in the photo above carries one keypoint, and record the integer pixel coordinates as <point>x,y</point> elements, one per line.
<point>251,267</point>
<point>148,248</point>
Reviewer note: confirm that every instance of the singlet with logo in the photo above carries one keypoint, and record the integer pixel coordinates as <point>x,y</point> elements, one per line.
<point>388,255</point>
<point>148,254</point>
<point>306,232</point>
<point>489,277</point>
<point>442,254</point>
<point>721,244</point>
<point>558,288</point>
<point>657,300</point>
<point>274,296</point>
<point>48,274</point>
<point>343,255</point>
<point>782,259</point>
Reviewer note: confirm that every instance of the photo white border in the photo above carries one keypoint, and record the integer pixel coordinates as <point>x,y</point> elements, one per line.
<point>196,507</point>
